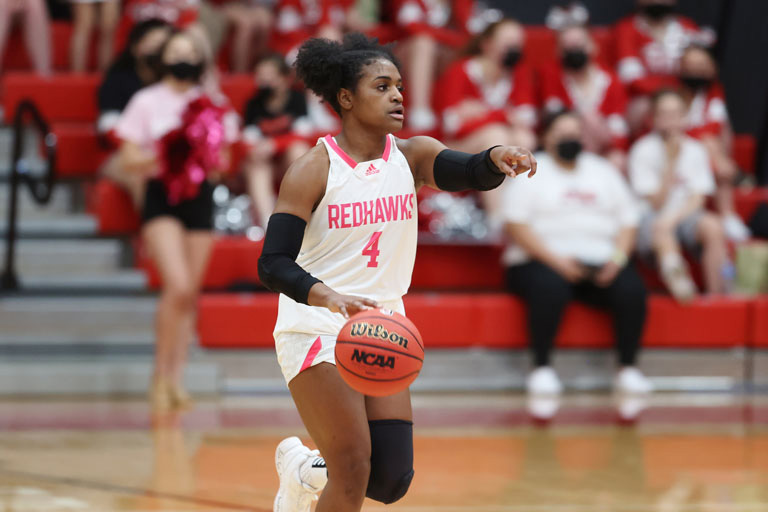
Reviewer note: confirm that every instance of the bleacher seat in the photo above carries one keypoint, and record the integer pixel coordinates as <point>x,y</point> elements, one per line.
<point>72,97</point>
<point>80,154</point>
<point>759,337</point>
<point>495,320</point>
<point>112,207</point>
<point>61,97</point>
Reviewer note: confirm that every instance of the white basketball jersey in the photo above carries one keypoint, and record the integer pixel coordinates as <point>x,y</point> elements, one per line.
<point>361,239</point>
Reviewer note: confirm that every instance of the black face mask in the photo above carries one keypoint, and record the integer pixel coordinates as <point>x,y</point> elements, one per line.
<point>185,71</point>
<point>658,11</point>
<point>511,57</point>
<point>696,83</point>
<point>574,59</point>
<point>569,149</point>
<point>267,92</point>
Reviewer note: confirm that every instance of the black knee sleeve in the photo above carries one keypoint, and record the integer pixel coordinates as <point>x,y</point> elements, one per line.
<point>391,460</point>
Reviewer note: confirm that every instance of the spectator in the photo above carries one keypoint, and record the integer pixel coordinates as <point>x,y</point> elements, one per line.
<point>175,231</point>
<point>137,66</point>
<point>708,122</point>
<point>573,229</point>
<point>649,45</point>
<point>670,172</point>
<point>297,20</point>
<point>491,97</point>
<point>180,13</point>
<point>251,23</point>
<point>271,119</point>
<point>427,26</point>
<point>577,82</point>
<point>37,30</point>
<point>84,14</point>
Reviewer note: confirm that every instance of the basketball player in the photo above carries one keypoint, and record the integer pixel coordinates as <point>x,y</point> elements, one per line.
<point>343,239</point>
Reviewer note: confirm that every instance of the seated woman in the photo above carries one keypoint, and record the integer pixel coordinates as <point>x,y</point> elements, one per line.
<point>708,122</point>
<point>670,171</point>
<point>571,233</point>
<point>578,82</point>
<point>489,97</point>
<point>271,119</point>
<point>649,44</point>
<point>430,32</point>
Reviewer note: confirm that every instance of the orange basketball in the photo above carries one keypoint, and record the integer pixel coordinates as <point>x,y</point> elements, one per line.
<point>379,352</point>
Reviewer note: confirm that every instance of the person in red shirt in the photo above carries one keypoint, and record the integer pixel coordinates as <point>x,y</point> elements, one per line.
<point>298,20</point>
<point>707,120</point>
<point>429,30</point>
<point>649,44</point>
<point>489,97</point>
<point>578,83</point>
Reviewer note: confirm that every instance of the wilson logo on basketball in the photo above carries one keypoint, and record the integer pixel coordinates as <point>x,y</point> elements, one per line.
<point>373,359</point>
<point>377,331</point>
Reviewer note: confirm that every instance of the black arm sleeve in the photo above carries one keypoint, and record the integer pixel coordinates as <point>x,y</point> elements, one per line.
<point>278,269</point>
<point>456,171</point>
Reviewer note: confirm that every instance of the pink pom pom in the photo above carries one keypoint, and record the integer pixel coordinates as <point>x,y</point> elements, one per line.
<point>191,151</point>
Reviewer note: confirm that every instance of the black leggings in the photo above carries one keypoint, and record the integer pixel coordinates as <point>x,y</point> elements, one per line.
<point>547,294</point>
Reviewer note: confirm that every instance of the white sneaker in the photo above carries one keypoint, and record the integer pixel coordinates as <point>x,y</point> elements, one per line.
<point>735,229</point>
<point>302,475</point>
<point>543,407</point>
<point>421,120</point>
<point>631,381</point>
<point>629,407</point>
<point>543,381</point>
<point>679,283</point>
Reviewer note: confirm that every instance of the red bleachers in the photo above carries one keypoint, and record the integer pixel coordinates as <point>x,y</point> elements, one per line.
<point>112,207</point>
<point>760,321</point>
<point>72,97</point>
<point>79,151</point>
<point>497,320</point>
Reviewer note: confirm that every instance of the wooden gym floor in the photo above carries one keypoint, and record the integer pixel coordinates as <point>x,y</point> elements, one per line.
<point>479,453</point>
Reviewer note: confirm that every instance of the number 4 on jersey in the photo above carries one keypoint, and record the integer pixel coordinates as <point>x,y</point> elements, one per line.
<point>372,249</point>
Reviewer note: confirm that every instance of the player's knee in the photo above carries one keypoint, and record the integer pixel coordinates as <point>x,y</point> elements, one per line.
<point>391,460</point>
<point>351,470</point>
<point>390,487</point>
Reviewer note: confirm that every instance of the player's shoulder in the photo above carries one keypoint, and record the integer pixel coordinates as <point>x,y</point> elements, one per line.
<point>309,169</point>
<point>314,161</point>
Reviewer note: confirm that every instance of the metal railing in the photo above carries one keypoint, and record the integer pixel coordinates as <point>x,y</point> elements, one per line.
<point>40,187</point>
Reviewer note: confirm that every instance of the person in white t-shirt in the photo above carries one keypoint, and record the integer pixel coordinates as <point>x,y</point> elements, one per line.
<point>671,173</point>
<point>571,232</point>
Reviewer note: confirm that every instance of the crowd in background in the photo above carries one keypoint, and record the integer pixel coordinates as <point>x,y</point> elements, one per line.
<point>631,152</point>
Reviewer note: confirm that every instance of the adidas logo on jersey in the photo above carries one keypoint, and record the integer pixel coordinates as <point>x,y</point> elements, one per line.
<point>371,170</point>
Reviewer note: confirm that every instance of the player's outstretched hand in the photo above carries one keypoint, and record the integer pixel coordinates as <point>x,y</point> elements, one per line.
<point>349,305</point>
<point>514,160</point>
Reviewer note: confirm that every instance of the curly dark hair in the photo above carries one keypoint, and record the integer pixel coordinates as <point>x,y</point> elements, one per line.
<point>327,66</point>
